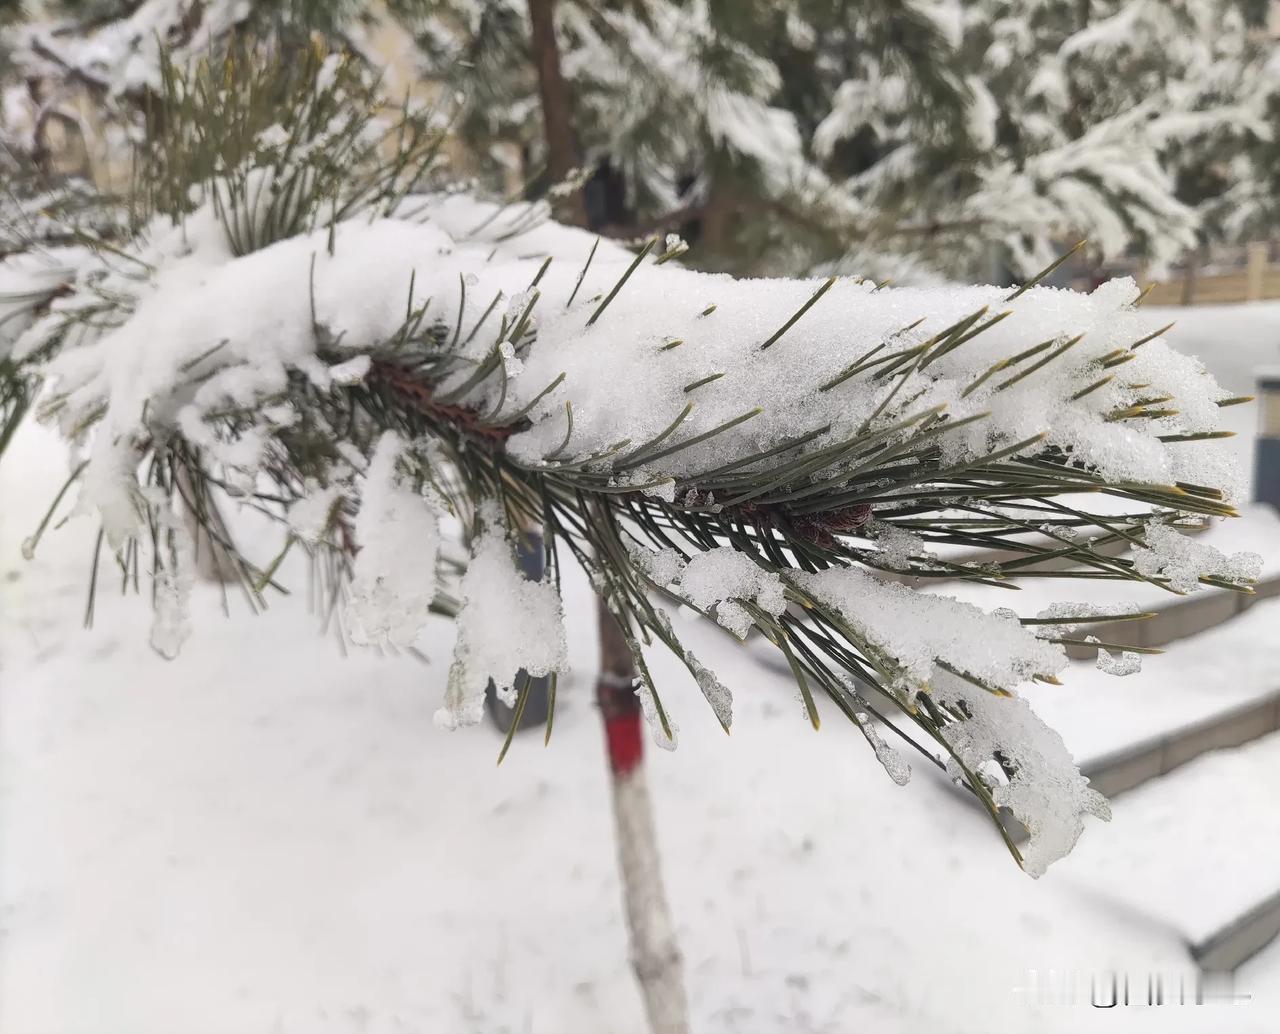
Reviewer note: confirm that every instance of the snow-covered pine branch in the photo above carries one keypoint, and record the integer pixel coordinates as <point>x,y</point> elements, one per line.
<point>121,57</point>
<point>645,413</point>
<point>387,372</point>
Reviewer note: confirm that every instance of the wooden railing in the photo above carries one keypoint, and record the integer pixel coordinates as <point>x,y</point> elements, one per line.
<point>1258,280</point>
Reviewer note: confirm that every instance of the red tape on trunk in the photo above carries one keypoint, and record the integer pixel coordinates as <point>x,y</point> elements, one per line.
<point>624,735</point>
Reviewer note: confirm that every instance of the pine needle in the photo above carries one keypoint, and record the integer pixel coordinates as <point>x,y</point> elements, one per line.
<point>795,318</point>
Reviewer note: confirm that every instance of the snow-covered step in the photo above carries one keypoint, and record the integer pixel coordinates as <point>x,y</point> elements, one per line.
<point>1179,617</point>
<point>1241,939</point>
<point>1223,897</point>
<point>1260,975</point>
<point>1219,688</point>
<point>1134,765</point>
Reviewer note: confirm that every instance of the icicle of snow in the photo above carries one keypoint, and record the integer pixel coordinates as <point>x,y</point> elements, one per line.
<point>175,578</point>
<point>894,763</point>
<point>507,622</point>
<point>650,710</point>
<point>717,693</point>
<point>398,532</point>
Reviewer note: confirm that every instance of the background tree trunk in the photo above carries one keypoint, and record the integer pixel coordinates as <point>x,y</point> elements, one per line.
<point>557,116</point>
<point>654,952</point>
<point>1194,260</point>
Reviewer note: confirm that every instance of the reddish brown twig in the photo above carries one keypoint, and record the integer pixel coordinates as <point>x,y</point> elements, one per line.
<point>417,395</point>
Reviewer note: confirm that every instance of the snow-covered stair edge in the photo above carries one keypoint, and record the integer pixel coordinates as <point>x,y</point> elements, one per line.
<point>1181,617</point>
<point>1116,772</point>
<point>1241,939</point>
<point>1197,850</point>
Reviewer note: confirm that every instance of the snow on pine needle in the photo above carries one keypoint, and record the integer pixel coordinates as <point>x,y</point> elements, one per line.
<point>418,376</point>
<point>394,576</point>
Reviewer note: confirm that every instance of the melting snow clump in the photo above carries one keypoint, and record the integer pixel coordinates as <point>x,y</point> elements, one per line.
<point>1039,782</point>
<point>507,622</point>
<point>1180,558</point>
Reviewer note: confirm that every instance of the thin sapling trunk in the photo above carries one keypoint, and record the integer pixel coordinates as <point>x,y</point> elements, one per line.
<point>654,952</point>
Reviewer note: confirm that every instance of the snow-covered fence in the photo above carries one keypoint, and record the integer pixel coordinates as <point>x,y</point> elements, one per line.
<point>1245,274</point>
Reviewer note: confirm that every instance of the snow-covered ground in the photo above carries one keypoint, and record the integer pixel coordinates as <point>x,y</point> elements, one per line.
<point>267,836</point>
<point>1225,800</point>
<point>1227,667</point>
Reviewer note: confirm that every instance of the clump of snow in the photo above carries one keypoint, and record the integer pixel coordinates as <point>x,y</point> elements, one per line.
<point>398,533</point>
<point>1184,561</point>
<point>1038,780</point>
<point>311,516</point>
<point>724,578</point>
<point>898,546</point>
<point>663,565</point>
<point>109,489</point>
<point>1067,616</point>
<point>507,623</point>
<point>1128,663</point>
<point>921,632</point>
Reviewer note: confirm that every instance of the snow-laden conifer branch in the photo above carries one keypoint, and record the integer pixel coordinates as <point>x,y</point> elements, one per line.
<point>769,453</point>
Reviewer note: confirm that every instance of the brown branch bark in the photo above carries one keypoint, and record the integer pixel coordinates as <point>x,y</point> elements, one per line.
<point>557,114</point>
